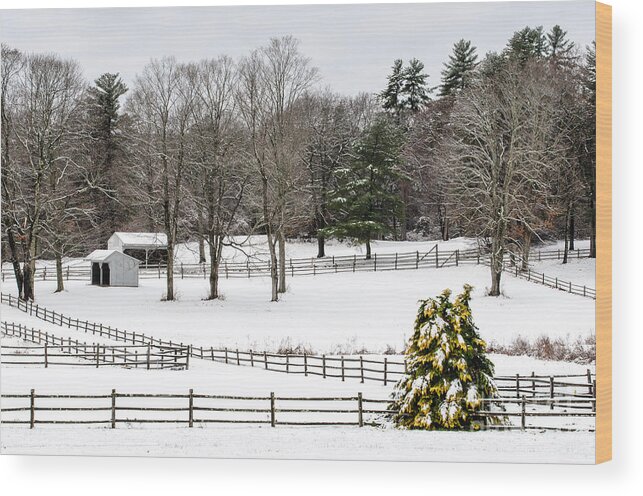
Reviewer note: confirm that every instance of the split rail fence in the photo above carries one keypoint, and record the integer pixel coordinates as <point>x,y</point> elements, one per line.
<point>189,409</point>
<point>383,369</point>
<point>57,351</point>
<point>434,258</point>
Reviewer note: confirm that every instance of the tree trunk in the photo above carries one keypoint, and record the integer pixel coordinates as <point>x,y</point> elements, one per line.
<point>572,230</point>
<point>321,251</point>
<point>28,281</point>
<point>201,239</point>
<point>170,270</point>
<point>526,249</point>
<point>282,262</point>
<point>368,249</point>
<point>568,217</point>
<point>13,253</point>
<point>497,255</point>
<point>215,248</point>
<point>60,284</point>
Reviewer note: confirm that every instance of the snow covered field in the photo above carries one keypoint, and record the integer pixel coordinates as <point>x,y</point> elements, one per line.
<point>329,313</point>
<point>337,443</point>
<point>333,313</point>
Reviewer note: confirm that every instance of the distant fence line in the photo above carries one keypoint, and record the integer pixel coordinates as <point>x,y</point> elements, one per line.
<point>192,408</point>
<point>342,367</point>
<point>434,258</point>
<point>57,351</point>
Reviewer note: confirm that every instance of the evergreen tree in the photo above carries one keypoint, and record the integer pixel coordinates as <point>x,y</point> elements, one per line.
<point>448,371</point>
<point>415,86</point>
<point>105,117</point>
<point>458,71</point>
<point>558,45</point>
<point>392,94</point>
<point>526,44</point>
<point>365,200</point>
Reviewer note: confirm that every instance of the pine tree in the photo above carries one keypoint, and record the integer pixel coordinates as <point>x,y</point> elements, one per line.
<point>392,94</point>
<point>559,47</point>
<point>448,371</point>
<point>457,72</point>
<point>526,44</point>
<point>415,86</point>
<point>365,200</point>
<point>105,116</point>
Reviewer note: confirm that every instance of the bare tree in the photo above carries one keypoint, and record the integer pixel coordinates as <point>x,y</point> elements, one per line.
<point>271,81</point>
<point>162,102</point>
<point>504,143</point>
<point>219,175</point>
<point>48,91</point>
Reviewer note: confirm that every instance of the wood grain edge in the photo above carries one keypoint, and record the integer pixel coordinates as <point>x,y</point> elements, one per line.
<point>603,233</point>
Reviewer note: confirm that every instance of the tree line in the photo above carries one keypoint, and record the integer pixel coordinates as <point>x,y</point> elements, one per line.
<point>503,149</point>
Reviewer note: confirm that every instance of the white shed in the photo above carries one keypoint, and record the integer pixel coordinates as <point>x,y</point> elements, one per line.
<point>146,247</point>
<point>113,268</point>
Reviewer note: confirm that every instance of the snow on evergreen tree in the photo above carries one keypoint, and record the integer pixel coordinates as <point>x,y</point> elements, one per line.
<point>448,373</point>
<point>415,86</point>
<point>365,200</point>
<point>458,71</point>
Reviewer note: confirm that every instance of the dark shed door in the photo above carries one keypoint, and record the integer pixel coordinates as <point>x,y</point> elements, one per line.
<point>96,273</point>
<point>105,281</point>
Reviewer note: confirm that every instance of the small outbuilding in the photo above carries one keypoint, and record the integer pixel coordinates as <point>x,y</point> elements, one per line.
<point>113,268</point>
<point>149,248</point>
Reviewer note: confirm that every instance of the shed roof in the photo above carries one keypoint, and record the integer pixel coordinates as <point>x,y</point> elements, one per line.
<point>103,255</point>
<point>158,240</point>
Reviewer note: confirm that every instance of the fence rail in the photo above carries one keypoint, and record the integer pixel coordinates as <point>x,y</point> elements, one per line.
<point>192,408</point>
<point>363,368</point>
<point>57,351</point>
<point>434,258</point>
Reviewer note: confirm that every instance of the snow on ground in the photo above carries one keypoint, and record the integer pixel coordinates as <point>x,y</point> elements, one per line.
<point>337,443</point>
<point>579,271</point>
<point>328,313</point>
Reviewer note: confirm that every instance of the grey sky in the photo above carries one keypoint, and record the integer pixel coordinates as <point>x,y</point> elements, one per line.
<point>353,45</point>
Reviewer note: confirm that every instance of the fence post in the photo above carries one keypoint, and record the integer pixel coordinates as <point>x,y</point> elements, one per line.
<point>395,260</point>
<point>551,392</point>
<point>32,411</point>
<point>46,357</point>
<point>324,366</point>
<point>385,370</point>
<point>523,413</point>
<point>342,368</point>
<point>191,409</point>
<point>594,402</point>
<point>238,362</point>
<point>265,360</point>
<point>589,380</point>
<point>517,386</point>
<point>361,368</point>
<point>181,270</point>
<point>533,385</point>
<point>360,414</point>
<point>287,363</point>
<point>272,409</point>
<point>148,357</point>
<point>113,408</point>
<point>305,365</point>
<point>417,259</point>
<point>457,257</point>
<point>437,256</point>
<point>226,354</point>
<point>375,263</point>
<point>252,359</point>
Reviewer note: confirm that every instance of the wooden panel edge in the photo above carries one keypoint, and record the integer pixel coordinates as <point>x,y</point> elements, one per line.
<point>603,233</point>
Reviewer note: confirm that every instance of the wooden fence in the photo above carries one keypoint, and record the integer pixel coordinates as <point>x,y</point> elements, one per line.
<point>53,351</point>
<point>192,408</point>
<point>384,369</point>
<point>434,258</point>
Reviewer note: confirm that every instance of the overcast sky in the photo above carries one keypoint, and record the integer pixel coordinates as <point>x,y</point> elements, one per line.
<point>353,45</point>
